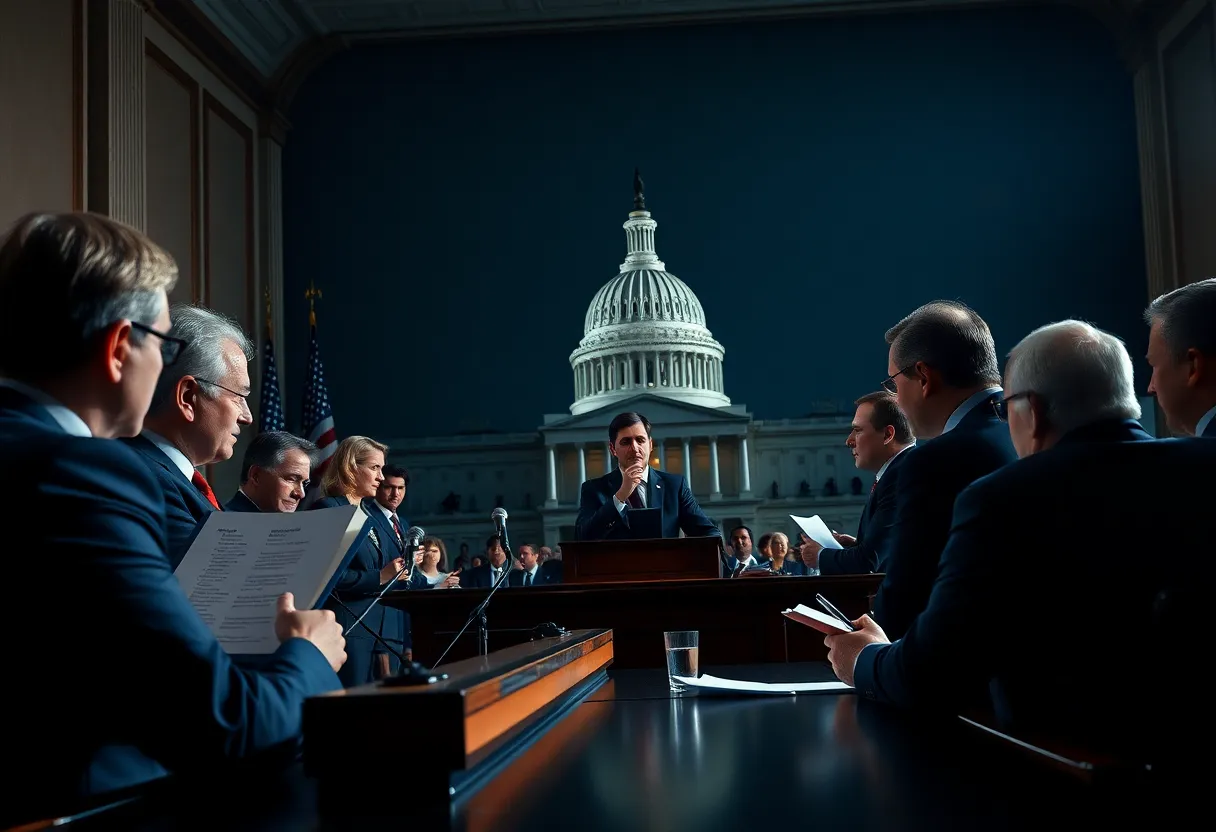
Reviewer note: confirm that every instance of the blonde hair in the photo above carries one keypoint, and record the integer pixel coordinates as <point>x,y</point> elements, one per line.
<point>780,536</point>
<point>339,477</point>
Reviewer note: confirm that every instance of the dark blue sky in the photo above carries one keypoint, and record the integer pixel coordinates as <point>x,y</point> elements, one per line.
<point>460,202</point>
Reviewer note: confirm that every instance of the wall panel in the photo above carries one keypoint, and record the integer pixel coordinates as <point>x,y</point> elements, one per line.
<point>173,168</point>
<point>41,88</point>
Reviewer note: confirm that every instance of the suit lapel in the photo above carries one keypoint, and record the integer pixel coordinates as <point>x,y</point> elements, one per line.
<point>654,493</point>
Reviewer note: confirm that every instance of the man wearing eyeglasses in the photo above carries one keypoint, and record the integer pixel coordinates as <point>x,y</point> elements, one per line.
<point>274,473</point>
<point>944,374</point>
<point>197,411</point>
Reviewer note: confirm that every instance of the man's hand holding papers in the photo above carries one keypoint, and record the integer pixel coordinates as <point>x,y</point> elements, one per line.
<point>843,649</point>
<point>316,626</point>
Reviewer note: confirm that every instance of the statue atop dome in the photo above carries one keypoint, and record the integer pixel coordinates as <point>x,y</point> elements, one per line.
<point>639,198</point>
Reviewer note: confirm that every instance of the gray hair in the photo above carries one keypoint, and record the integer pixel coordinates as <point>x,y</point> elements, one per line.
<point>951,338</point>
<point>204,331</point>
<point>1188,318</point>
<point>269,450</point>
<point>1082,374</point>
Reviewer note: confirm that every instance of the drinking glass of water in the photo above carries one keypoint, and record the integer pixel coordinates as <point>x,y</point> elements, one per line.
<point>681,657</point>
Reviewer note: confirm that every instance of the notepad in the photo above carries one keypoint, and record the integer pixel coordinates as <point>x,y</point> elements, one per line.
<point>712,684</point>
<point>821,621</point>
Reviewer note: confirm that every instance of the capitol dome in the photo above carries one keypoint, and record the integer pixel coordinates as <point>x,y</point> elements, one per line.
<point>645,332</point>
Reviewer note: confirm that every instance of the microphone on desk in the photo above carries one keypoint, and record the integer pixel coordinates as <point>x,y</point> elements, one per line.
<point>413,538</point>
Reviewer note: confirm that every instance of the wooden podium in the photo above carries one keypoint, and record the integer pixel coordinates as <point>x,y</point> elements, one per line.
<point>663,559</point>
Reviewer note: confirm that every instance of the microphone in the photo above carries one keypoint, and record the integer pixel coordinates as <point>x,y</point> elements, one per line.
<point>499,516</point>
<point>413,537</point>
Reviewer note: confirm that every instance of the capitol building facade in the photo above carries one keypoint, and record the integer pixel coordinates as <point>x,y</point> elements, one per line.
<point>646,347</point>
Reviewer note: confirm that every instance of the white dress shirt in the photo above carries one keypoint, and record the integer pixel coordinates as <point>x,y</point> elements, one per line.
<point>641,492</point>
<point>1203,422</point>
<point>170,450</point>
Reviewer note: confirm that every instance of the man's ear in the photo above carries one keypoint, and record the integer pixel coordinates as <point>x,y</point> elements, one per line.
<point>1196,366</point>
<point>930,381</point>
<point>118,349</point>
<point>888,434</point>
<point>186,395</point>
<point>1037,413</point>
<point>255,474</point>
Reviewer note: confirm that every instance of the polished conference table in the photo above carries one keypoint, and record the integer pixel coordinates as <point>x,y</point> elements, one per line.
<point>632,756</point>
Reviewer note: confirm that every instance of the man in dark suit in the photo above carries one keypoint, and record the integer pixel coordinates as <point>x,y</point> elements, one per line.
<point>878,437</point>
<point>486,575</point>
<point>531,571</point>
<point>274,473</point>
<point>604,503</point>
<point>1182,352</point>
<point>196,415</point>
<point>943,372</point>
<point>1047,547</point>
<point>94,291</point>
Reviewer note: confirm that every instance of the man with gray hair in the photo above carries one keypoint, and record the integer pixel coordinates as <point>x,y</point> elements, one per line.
<point>274,473</point>
<point>943,372</point>
<point>1182,352</point>
<point>197,411</point>
<point>1056,572</point>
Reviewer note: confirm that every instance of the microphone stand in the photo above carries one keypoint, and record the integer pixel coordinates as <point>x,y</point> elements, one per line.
<point>479,615</point>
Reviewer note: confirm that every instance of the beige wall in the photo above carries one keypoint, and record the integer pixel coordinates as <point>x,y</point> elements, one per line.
<point>1176,114</point>
<point>41,107</point>
<point>203,195</point>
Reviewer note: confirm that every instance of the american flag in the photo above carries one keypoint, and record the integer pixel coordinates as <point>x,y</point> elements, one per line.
<point>318,426</point>
<point>270,411</point>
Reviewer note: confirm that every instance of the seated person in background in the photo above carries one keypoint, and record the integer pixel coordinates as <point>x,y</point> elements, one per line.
<point>1182,353</point>
<point>1040,548</point>
<point>762,546</point>
<point>531,571</point>
<point>427,574</point>
<point>780,564</point>
<point>351,478</point>
<point>943,371</point>
<point>485,575</point>
<point>274,473</point>
<point>85,298</point>
<point>603,511</point>
<point>741,557</point>
<point>879,436</point>
<point>197,411</point>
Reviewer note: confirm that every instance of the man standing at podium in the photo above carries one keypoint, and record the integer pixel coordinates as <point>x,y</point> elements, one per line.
<point>605,503</point>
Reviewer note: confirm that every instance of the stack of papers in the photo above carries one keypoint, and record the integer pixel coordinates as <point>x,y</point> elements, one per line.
<point>712,684</point>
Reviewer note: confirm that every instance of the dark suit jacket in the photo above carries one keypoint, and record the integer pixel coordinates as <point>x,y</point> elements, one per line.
<point>479,577</point>
<point>392,549</point>
<point>598,518</point>
<point>357,590</point>
<point>1057,585</point>
<point>870,552</point>
<point>1209,432</point>
<point>930,479</point>
<point>547,573</point>
<point>240,502</point>
<point>160,691</point>
<point>185,505</point>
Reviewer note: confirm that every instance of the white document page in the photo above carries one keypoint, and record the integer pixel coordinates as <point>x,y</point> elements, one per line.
<point>241,562</point>
<point>714,684</point>
<point>804,610</point>
<point>816,530</point>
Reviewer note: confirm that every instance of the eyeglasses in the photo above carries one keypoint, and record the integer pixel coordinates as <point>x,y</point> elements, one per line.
<point>170,348</point>
<point>1001,406</point>
<point>244,397</point>
<point>890,386</point>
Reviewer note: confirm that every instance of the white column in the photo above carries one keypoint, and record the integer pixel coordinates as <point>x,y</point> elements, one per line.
<point>582,465</point>
<point>745,472</point>
<point>642,367</point>
<point>124,196</point>
<point>687,463</point>
<point>628,370</point>
<point>551,496</point>
<point>715,487</point>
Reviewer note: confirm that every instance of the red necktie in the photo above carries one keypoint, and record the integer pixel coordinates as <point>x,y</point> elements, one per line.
<point>873,485</point>
<point>397,529</point>
<point>201,485</point>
